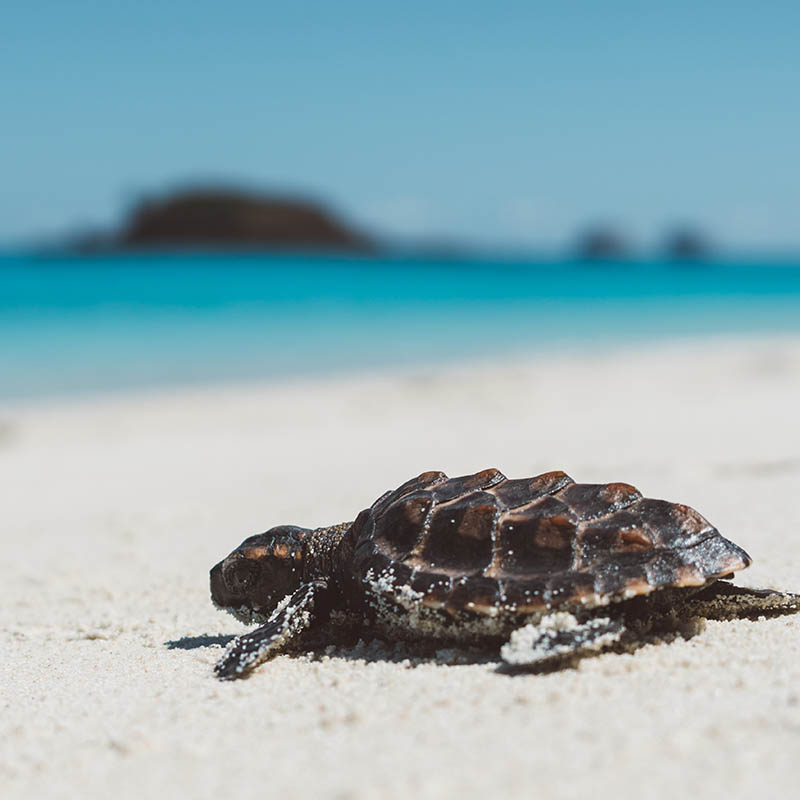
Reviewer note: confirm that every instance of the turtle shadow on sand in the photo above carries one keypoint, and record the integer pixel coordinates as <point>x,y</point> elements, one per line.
<point>195,642</point>
<point>329,643</point>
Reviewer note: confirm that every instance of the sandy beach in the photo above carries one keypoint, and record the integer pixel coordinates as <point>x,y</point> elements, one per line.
<point>114,508</point>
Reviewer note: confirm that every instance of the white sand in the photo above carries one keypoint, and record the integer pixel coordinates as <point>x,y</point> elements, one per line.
<point>114,509</point>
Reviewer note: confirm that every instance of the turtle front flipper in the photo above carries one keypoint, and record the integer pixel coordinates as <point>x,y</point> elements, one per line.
<point>557,637</point>
<point>292,616</point>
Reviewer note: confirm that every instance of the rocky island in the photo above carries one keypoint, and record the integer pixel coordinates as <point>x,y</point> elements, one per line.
<point>228,218</point>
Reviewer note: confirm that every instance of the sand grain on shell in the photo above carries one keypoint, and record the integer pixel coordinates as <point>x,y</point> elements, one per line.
<point>114,509</point>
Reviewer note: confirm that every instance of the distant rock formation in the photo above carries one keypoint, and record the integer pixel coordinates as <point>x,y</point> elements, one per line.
<point>602,242</point>
<point>686,244</point>
<point>216,217</point>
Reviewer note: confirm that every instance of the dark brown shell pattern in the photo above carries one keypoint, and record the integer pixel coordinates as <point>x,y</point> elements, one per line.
<point>483,543</point>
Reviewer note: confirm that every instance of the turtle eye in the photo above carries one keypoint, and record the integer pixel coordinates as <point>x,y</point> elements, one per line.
<point>242,575</point>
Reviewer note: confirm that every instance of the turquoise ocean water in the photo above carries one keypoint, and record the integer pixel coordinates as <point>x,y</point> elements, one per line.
<point>82,324</point>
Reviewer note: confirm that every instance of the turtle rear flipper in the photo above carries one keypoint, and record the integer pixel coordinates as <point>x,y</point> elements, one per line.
<point>557,637</point>
<point>724,601</point>
<point>294,615</point>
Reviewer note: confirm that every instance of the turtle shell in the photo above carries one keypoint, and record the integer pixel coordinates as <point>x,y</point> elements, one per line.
<point>483,543</point>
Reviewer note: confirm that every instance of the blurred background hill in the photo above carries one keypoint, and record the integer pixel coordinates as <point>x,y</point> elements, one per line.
<point>224,217</point>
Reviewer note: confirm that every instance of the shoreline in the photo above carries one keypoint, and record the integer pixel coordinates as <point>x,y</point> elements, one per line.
<point>564,351</point>
<point>119,505</point>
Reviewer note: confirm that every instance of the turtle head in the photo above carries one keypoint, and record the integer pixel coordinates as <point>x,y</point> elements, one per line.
<point>259,573</point>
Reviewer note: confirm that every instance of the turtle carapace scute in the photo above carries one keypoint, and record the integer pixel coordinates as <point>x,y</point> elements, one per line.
<point>551,567</point>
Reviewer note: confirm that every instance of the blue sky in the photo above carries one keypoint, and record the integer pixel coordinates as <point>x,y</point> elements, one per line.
<point>498,123</point>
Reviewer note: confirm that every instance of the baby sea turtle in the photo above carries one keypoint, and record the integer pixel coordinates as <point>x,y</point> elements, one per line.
<point>562,568</point>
